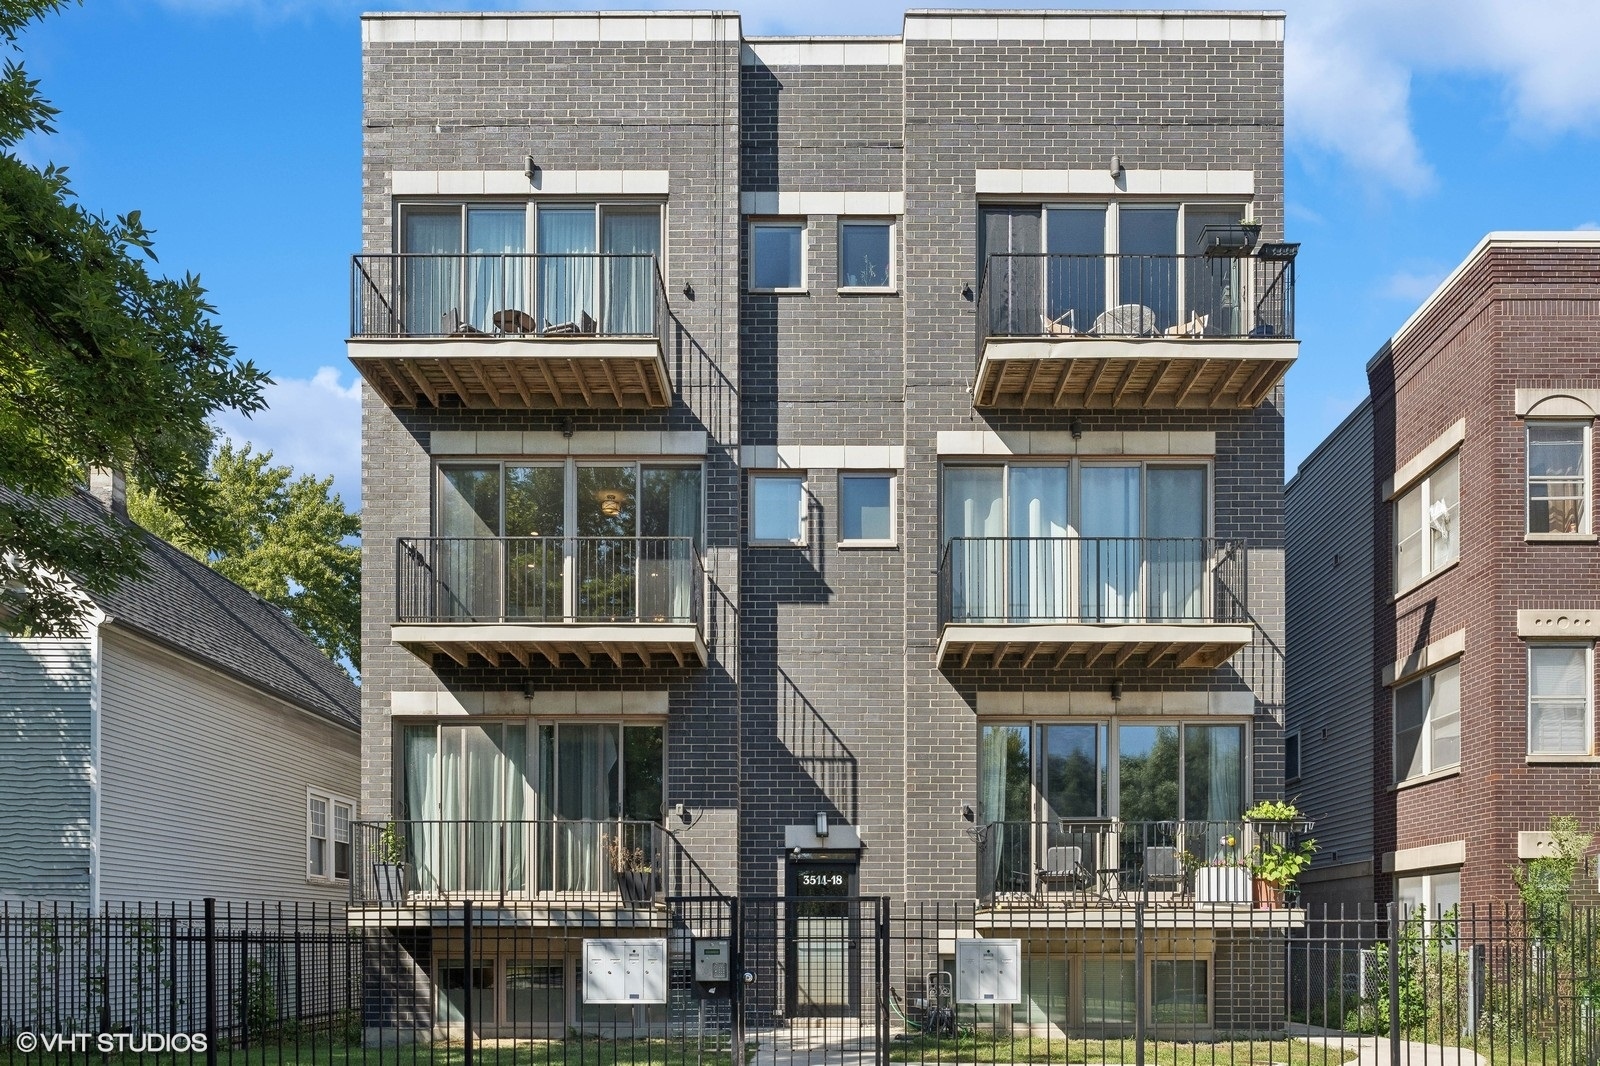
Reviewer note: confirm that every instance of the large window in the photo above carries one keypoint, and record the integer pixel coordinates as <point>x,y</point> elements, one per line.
<point>466,267</point>
<point>1427,724</point>
<point>778,509</point>
<point>1117,268</point>
<point>1560,699</point>
<point>1046,784</point>
<point>1436,894</point>
<point>1427,524</point>
<point>866,510</point>
<point>1076,541</point>
<point>575,539</point>
<point>515,805</point>
<point>866,254</point>
<point>1558,477</point>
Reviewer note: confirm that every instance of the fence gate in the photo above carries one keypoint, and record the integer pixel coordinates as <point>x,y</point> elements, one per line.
<point>814,970</point>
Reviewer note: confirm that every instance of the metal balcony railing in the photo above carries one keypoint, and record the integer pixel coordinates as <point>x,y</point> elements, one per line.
<point>648,580</point>
<point>1043,295</point>
<point>569,860</point>
<point>567,297</point>
<point>1106,859</point>
<point>999,580</point>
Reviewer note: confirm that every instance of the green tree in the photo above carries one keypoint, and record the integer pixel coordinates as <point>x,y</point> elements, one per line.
<point>287,539</point>
<point>101,364</point>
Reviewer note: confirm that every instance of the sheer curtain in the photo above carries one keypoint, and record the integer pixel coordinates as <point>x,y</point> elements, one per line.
<point>1213,785</point>
<point>451,810</point>
<point>496,239</point>
<point>1037,526</point>
<point>568,279</point>
<point>587,802</point>
<point>631,237</point>
<point>1112,557</point>
<point>430,272</point>
<point>421,762</point>
<point>1175,514</point>
<point>972,509</point>
<point>1004,801</point>
<point>466,562</point>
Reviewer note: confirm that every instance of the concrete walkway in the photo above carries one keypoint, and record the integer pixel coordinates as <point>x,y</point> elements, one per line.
<point>1375,1050</point>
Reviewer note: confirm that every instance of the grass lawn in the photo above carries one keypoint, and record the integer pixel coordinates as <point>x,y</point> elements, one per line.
<point>983,1049</point>
<point>586,1052</point>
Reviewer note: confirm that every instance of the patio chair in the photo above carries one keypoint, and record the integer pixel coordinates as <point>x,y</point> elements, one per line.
<point>1126,320</point>
<point>1162,870</point>
<point>1063,871</point>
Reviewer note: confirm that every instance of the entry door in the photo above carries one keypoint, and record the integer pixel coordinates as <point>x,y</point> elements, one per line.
<point>823,938</point>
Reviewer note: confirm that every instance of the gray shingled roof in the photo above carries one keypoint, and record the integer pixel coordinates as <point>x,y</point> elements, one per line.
<point>190,608</point>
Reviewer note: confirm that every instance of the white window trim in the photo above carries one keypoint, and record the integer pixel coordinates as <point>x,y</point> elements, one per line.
<point>1429,771</point>
<point>530,207</point>
<point>805,530</point>
<point>893,284</point>
<point>893,540</point>
<point>1585,529</point>
<point>1424,486</point>
<point>805,250</point>
<point>332,799</point>
<point>1588,697</point>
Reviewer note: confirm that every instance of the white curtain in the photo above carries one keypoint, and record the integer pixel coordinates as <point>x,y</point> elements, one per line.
<point>1175,517</point>
<point>972,509</point>
<point>587,791</point>
<point>1111,556</point>
<point>496,239</point>
<point>430,272</point>
<point>421,761</point>
<point>1037,525</point>
<point>568,279</point>
<point>631,238</point>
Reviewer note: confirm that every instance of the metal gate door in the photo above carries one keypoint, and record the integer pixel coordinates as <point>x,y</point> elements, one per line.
<point>814,969</point>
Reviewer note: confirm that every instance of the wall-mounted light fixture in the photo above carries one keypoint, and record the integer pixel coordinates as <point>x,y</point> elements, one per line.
<point>1116,690</point>
<point>822,823</point>
<point>531,170</point>
<point>1116,167</point>
<point>967,813</point>
<point>1076,428</point>
<point>567,427</point>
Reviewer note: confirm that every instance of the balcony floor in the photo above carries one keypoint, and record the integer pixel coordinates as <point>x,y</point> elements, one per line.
<point>1187,645</point>
<point>1161,918</point>
<point>531,913</point>
<point>493,372</point>
<point>1130,373</point>
<point>550,641</point>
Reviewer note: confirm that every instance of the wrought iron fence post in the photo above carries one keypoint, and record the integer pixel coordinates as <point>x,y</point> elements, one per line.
<point>1393,976</point>
<point>105,966</point>
<point>467,981</point>
<point>211,980</point>
<point>736,987</point>
<point>1140,1020</point>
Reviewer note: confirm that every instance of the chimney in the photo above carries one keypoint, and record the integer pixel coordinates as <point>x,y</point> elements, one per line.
<point>108,486</point>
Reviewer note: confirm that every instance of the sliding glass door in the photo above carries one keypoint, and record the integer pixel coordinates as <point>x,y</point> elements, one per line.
<point>601,786</point>
<point>466,803</point>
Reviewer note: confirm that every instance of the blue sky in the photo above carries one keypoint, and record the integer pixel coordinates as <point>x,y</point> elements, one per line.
<point>235,126</point>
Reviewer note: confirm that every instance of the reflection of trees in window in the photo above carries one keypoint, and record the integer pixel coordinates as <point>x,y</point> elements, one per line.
<point>1149,773</point>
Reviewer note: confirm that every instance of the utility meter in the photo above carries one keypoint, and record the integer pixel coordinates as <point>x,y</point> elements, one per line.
<point>713,966</point>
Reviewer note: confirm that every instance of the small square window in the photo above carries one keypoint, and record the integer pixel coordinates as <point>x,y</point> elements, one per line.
<point>1559,714</point>
<point>866,510</point>
<point>778,256</point>
<point>778,509</point>
<point>866,255</point>
<point>1291,756</point>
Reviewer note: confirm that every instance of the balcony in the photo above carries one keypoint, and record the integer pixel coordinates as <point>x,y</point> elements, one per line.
<point>1135,332</point>
<point>1144,601</point>
<point>590,598</point>
<point>511,331</point>
<point>561,865</point>
<point>1040,873</point>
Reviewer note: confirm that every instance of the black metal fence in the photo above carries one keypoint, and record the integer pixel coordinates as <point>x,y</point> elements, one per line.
<point>811,979</point>
<point>549,579</point>
<point>1092,579</point>
<point>1188,296</point>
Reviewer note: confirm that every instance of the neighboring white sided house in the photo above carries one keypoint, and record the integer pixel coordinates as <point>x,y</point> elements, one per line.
<point>191,742</point>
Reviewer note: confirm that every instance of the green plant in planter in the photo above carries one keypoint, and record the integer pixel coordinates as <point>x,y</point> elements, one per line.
<point>1273,811</point>
<point>1280,864</point>
<point>626,860</point>
<point>392,845</point>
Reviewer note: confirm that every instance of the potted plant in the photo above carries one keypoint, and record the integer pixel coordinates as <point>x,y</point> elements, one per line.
<point>1275,865</point>
<point>1271,822</point>
<point>389,872</point>
<point>1222,878</point>
<point>635,879</point>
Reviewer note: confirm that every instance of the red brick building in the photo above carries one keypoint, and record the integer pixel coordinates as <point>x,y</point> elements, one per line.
<point>1443,587</point>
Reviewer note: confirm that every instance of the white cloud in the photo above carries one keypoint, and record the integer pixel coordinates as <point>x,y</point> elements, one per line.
<point>313,425</point>
<point>1413,286</point>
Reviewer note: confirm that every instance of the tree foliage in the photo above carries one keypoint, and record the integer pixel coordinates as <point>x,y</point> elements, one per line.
<point>101,364</point>
<point>285,538</point>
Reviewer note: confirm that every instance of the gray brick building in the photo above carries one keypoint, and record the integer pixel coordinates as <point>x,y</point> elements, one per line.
<point>821,463</point>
